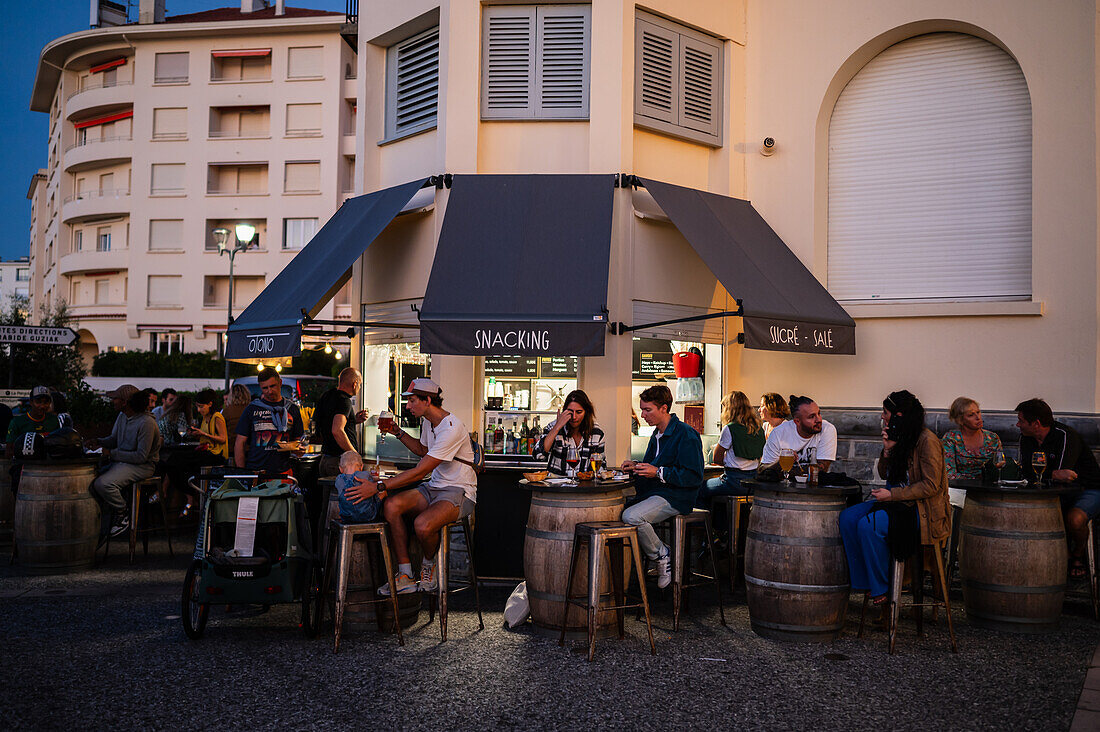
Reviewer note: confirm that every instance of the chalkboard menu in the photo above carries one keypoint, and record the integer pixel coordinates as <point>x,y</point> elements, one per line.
<point>558,367</point>
<point>652,357</point>
<point>520,367</point>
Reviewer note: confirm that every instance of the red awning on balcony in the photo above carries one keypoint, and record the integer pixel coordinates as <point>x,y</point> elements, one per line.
<point>104,120</point>
<point>108,65</point>
<point>241,52</point>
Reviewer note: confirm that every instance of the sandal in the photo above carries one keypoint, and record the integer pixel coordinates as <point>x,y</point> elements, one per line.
<point>1077,570</point>
<point>878,600</point>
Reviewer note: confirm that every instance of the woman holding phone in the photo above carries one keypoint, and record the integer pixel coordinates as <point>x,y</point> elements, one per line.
<point>573,437</point>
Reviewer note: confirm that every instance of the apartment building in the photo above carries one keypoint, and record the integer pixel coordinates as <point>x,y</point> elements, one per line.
<point>15,279</point>
<point>167,129</point>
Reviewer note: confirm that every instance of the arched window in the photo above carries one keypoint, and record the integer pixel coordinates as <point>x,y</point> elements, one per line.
<point>930,175</point>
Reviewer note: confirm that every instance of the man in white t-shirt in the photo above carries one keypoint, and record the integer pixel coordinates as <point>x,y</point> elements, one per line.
<point>805,429</point>
<point>447,496</point>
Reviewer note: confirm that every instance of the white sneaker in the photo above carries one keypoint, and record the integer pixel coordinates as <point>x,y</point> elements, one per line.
<point>404,585</point>
<point>664,570</point>
<point>429,582</point>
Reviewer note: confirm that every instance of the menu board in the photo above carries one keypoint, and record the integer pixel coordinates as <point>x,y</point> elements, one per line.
<point>514,366</point>
<point>652,357</point>
<point>558,367</point>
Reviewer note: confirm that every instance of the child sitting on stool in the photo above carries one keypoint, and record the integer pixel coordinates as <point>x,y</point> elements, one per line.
<point>361,510</point>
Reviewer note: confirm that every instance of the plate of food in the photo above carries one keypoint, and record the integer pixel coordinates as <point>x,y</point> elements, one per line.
<point>287,446</point>
<point>536,476</point>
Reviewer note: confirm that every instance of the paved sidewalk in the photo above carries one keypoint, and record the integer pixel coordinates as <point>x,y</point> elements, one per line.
<point>1087,716</point>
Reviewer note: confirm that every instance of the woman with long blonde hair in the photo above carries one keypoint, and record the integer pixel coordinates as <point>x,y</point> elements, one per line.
<point>738,450</point>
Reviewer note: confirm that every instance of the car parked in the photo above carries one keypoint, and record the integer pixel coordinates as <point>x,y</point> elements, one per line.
<point>300,389</point>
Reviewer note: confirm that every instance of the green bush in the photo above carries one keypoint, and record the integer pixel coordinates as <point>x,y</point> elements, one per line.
<point>203,365</point>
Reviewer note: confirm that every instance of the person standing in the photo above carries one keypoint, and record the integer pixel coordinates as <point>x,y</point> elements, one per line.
<point>264,423</point>
<point>335,420</point>
<point>37,420</point>
<point>133,449</point>
<point>805,429</point>
<point>668,478</point>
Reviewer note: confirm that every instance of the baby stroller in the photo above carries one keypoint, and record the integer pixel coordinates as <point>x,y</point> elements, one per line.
<point>253,548</point>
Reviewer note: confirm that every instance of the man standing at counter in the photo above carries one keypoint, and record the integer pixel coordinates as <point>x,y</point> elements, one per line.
<point>336,419</point>
<point>668,478</point>
<point>265,423</point>
<point>805,429</point>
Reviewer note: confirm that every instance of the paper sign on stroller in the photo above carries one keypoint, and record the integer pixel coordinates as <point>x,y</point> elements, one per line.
<point>244,539</point>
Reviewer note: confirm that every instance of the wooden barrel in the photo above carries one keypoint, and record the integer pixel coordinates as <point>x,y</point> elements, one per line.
<point>56,518</point>
<point>7,502</point>
<point>547,549</point>
<point>796,572</point>
<point>1012,560</point>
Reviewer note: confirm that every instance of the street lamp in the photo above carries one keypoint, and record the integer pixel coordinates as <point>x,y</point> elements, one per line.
<point>245,234</point>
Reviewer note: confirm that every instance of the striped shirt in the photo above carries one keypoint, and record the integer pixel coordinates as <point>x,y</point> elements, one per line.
<point>555,461</point>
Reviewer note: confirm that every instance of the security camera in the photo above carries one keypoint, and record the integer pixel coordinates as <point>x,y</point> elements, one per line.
<point>768,147</point>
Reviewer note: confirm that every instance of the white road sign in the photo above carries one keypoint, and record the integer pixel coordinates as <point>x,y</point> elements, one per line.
<point>34,335</point>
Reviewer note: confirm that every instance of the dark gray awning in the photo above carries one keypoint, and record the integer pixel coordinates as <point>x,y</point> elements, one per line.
<point>784,307</point>
<point>521,267</point>
<point>271,327</point>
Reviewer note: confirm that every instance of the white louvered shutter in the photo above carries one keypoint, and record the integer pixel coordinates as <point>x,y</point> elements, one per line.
<point>656,52</point>
<point>414,81</point>
<point>930,175</point>
<point>698,331</point>
<point>699,74</point>
<point>508,62</point>
<point>562,62</point>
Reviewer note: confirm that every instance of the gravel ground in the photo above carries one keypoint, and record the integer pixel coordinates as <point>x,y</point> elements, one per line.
<point>106,649</point>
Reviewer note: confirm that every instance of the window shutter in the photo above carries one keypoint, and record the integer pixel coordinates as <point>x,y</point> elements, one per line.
<point>165,234</point>
<point>414,77</point>
<point>102,292</point>
<point>253,122</point>
<point>303,177</point>
<point>508,62</point>
<point>164,290</point>
<point>564,36</point>
<point>699,74</point>
<point>656,50</point>
<point>303,119</point>
<point>167,178</point>
<point>170,68</point>
<point>930,175</point>
<point>304,63</point>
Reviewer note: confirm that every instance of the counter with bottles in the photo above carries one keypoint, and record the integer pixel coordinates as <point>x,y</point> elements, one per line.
<point>513,431</point>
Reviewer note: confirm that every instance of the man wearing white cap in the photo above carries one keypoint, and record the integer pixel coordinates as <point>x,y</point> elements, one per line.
<point>448,495</point>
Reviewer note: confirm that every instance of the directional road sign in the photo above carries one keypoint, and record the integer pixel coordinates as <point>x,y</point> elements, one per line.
<point>34,335</point>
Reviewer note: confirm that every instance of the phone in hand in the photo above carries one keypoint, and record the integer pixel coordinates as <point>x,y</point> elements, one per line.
<point>893,428</point>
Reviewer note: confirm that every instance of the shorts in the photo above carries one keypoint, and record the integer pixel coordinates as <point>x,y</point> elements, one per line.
<point>1087,500</point>
<point>453,495</point>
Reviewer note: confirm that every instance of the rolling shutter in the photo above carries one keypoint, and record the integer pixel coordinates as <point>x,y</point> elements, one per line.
<point>303,177</point>
<point>169,68</point>
<point>302,119</point>
<point>165,234</point>
<point>699,331</point>
<point>170,122</point>
<point>930,175</point>
<point>304,62</point>
<point>414,81</point>
<point>167,178</point>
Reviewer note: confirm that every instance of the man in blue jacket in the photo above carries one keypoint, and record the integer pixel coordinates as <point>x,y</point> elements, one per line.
<point>667,480</point>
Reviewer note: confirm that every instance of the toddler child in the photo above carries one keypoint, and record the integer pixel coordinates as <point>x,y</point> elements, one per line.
<point>351,469</point>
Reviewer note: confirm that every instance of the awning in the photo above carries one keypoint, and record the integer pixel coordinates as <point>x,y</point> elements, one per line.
<point>104,120</point>
<point>271,327</point>
<point>241,53</point>
<point>521,267</point>
<point>783,305</point>
<point>113,64</point>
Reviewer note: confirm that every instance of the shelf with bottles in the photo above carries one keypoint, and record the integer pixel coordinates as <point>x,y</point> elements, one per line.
<point>513,432</point>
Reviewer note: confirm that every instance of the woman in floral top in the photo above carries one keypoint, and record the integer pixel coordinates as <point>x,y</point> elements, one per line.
<point>968,448</point>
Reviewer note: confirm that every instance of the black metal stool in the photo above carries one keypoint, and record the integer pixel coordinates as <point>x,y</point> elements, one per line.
<point>682,524</point>
<point>443,575</point>
<point>138,490</point>
<point>609,536</point>
<point>918,604</point>
<point>734,506</point>
<point>339,561</point>
<point>1094,582</point>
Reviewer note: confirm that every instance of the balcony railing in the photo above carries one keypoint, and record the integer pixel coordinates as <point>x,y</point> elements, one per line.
<point>236,192</point>
<point>236,135</point>
<point>99,85</point>
<point>238,77</point>
<point>109,138</point>
<point>303,132</point>
<point>102,193</point>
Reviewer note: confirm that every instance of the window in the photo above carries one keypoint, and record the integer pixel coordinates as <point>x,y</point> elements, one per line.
<point>240,121</point>
<point>102,292</point>
<point>259,240</point>
<point>167,179</point>
<point>535,62</point>
<point>304,63</point>
<point>170,68</point>
<point>166,343</point>
<point>103,239</point>
<point>302,177</point>
<point>22,292</point>
<point>242,65</point>
<point>238,180</point>
<point>246,288</point>
<point>298,232</point>
<point>930,175</point>
<point>412,84</point>
<point>106,184</point>
<point>164,291</point>
<point>23,274</point>
<point>78,240</point>
<point>677,80</point>
<point>165,234</point>
<point>303,120</point>
<point>170,123</point>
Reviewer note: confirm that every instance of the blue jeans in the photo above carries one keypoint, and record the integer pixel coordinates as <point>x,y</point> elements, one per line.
<point>644,514</point>
<point>726,484</point>
<point>864,533</point>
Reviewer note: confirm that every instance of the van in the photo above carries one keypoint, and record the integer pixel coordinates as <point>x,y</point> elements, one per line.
<point>299,389</point>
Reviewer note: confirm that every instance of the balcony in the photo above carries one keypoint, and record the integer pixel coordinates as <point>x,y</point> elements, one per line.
<point>93,261</point>
<point>99,98</point>
<point>94,153</point>
<point>91,204</point>
<point>109,311</point>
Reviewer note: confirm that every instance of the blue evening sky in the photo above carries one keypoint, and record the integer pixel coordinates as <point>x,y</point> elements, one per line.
<point>26,28</point>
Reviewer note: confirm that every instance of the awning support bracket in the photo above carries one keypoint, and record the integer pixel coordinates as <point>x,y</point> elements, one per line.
<point>621,328</point>
<point>351,324</point>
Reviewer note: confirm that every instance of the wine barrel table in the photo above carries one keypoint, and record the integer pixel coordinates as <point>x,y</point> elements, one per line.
<point>796,572</point>
<point>57,520</point>
<point>548,546</point>
<point>7,502</point>
<point>1012,556</point>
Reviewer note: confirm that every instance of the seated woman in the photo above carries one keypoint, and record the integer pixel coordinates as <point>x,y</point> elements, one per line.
<point>576,424</point>
<point>773,411</point>
<point>968,448</point>
<point>738,449</point>
<point>913,505</point>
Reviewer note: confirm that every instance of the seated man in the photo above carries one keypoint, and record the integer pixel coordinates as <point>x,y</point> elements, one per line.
<point>445,452</point>
<point>1068,460</point>
<point>38,419</point>
<point>805,429</point>
<point>264,423</point>
<point>668,478</point>
<point>133,448</point>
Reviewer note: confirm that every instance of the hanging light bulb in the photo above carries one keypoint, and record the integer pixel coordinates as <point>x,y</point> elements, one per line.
<point>259,367</point>
<point>278,367</point>
<point>328,348</point>
<point>339,355</point>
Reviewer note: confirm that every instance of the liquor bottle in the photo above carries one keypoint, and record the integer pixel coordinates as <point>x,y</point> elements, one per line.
<point>489,435</point>
<point>524,438</point>
<point>498,436</point>
<point>510,441</point>
<point>536,435</point>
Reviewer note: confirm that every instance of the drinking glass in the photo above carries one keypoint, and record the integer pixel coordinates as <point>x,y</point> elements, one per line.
<point>999,463</point>
<point>596,461</point>
<point>1039,465</point>
<point>572,457</point>
<point>786,461</point>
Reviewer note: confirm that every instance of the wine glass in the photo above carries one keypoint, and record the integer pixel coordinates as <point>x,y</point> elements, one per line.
<point>786,461</point>
<point>999,463</point>
<point>596,461</point>
<point>572,457</point>
<point>1039,465</point>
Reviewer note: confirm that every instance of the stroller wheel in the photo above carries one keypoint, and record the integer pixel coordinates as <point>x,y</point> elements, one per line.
<point>311,602</point>
<point>193,612</point>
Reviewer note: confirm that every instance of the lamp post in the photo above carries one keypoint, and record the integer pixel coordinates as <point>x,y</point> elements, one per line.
<point>245,234</point>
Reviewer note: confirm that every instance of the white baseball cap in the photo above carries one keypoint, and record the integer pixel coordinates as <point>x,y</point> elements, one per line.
<point>424,386</point>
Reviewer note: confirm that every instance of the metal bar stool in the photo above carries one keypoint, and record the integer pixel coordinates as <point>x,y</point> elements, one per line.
<point>606,536</point>
<point>1094,582</point>
<point>735,506</point>
<point>918,604</point>
<point>338,561</point>
<point>443,574</point>
<point>138,490</point>
<point>683,576</point>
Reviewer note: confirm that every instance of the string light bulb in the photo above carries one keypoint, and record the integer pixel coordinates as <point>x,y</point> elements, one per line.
<point>259,367</point>
<point>339,355</point>
<point>278,367</point>
<point>328,348</point>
